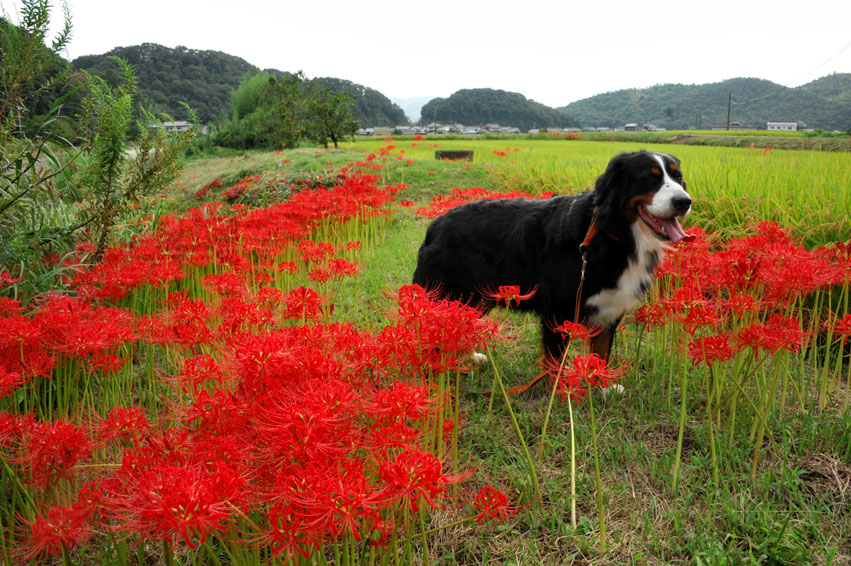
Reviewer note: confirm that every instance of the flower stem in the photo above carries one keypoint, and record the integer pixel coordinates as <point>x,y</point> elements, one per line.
<point>675,476</point>
<point>529,461</point>
<point>599,483</point>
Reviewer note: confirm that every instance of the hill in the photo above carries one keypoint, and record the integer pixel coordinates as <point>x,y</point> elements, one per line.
<point>204,80</point>
<point>481,106</point>
<point>823,103</point>
<point>371,107</point>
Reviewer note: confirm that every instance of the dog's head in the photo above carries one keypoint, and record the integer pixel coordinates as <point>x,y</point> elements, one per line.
<point>644,187</point>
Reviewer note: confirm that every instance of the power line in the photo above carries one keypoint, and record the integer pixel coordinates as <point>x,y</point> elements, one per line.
<point>823,63</point>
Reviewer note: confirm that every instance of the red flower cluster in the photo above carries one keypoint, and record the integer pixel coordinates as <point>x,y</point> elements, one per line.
<point>733,298</point>
<point>290,424</point>
<point>250,242</point>
<point>442,203</point>
<point>584,373</point>
<point>433,333</point>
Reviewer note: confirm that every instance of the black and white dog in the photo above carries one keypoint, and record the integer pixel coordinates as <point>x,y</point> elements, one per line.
<point>624,225</point>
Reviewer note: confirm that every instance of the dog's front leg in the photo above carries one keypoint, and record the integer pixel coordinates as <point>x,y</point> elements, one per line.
<point>602,341</point>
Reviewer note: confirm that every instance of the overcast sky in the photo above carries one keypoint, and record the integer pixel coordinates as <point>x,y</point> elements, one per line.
<point>554,52</point>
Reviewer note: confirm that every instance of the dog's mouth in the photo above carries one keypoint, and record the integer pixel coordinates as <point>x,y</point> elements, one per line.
<point>665,228</point>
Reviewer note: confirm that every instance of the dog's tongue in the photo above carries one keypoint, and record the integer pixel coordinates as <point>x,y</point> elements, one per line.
<point>674,231</point>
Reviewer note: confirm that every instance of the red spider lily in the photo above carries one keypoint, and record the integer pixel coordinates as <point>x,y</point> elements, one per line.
<point>304,304</point>
<point>415,478</point>
<point>392,437</point>
<point>842,328</point>
<point>72,327</point>
<point>576,331</point>
<point>225,283</point>
<point>585,373</point>
<point>438,332</point>
<point>198,370</point>
<point>690,308</point>
<point>13,427</point>
<point>742,303</point>
<point>61,528</point>
<point>710,349</point>
<point>9,382</point>
<point>289,533</point>
<point>779,332</point>
<point>239,316</point>
<point>508,294</point>
<point>651,315</point>
<point>307,423</point>
<point>493,505</point>
<point>123,423</point>
<point>313,252</point>
<point>340,267</point>
<point>6,279</point>
<point>320,275</point>
<point>188,321</point>
<point>162,491</point>
<point>107,362</point>
<point>51,451</point>
<point>442,203</point>
<point>402,402</point>
<point>336,499</point>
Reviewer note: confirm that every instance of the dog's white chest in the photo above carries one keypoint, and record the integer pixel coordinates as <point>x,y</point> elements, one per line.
<point>611,304</point>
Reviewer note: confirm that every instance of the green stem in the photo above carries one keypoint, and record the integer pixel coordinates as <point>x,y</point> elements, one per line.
<point>597,481</point>
<point>538,499</point>
<point>766,407</point>
<point>426,559</point>
<point>683,393</point>
<point>169,555</point>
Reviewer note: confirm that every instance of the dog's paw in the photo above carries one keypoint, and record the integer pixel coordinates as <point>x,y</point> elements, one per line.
<point>479,358</point>
<point>616,390</point>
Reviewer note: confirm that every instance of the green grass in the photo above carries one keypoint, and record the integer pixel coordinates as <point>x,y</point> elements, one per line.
<point>798,508</point>
<point>806,191</point>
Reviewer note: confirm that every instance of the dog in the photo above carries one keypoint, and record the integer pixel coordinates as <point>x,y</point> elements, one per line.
<point>598,248</point>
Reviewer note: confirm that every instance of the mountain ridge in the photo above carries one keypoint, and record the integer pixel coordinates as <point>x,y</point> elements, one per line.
<point>205,78</point>
<point>823,103</point>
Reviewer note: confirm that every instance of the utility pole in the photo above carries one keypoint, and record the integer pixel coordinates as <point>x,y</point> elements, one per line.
<point>729,101</point>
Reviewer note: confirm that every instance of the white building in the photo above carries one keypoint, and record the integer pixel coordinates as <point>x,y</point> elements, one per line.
<point>786,126</point>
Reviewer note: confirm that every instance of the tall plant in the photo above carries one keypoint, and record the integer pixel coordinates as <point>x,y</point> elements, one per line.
<point>33,158</point>
<point>115,177</point>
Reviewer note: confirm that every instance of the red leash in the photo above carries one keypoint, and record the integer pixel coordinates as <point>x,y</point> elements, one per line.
<point>583,248</point>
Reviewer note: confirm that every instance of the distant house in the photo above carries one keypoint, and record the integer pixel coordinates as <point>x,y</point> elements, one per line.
<point>650,127</point>
<point>786,126</point>
<point>404,131</point>
<point>178,126</point>
<point>736,126</point>
<point>632,127</point>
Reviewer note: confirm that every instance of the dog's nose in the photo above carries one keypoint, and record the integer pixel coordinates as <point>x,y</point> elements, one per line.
<point>681,204</point>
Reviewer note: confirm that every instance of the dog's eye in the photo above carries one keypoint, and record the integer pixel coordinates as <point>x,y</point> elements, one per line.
<point>656,171</point>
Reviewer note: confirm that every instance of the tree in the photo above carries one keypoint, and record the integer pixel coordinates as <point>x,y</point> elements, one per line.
<point>329,115</point>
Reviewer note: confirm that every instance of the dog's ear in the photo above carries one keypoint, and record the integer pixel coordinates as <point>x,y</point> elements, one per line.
<point>606,189</point>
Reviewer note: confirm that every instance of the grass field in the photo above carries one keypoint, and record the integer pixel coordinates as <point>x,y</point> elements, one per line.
<point>702,460</point>
<point>734,186</point>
